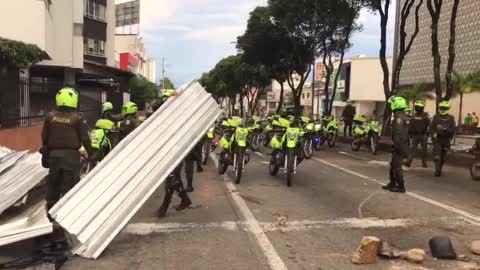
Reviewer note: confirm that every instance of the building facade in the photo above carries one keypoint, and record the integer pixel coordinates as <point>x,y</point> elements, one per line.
<point>418,65</point>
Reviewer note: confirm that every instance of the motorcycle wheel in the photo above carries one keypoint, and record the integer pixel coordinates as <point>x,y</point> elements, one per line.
<point>373,145</point>
<point>255,142</point>
<point>475,171</point>
<point>222,166</point>
<point>239,167</point>
<point>332,139</point>
<point>273,168</point>
<point>323,139</point>
<point>308,148</point>
<point>290,166</point>
<point>356,144</point>
<point>317,146</point>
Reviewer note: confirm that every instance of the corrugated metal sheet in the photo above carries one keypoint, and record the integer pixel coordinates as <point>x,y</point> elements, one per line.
<point>30,223</point>
<point>97,208</point>
<point>9,159</point>
<point>25,172</point>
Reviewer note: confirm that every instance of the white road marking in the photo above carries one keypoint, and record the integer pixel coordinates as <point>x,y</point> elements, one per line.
<point>252,225</point>
<point>260,154</point>
<point>295,225</point>
<point>360,206</point>
<point>352,155</point>
<point>265,162</point>
<point>465,214</point>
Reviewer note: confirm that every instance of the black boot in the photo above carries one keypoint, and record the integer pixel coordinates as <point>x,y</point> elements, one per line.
<point>189,185</point>
<point>399,187</point>
<point>388,186</point>
<point>424,164</point>
<point>199,168</point>
<point>438,168</point>
<point>185,203</point>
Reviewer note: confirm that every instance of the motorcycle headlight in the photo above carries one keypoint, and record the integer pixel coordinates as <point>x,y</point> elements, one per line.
<point>211,129</point>
<point>292,135</point>
<point>309,127</point>
<point>241,135</point>
<point>318,126</point>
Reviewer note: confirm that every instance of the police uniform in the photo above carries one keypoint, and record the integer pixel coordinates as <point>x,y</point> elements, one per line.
<point>64,132</point>
<point>442,129</point>
<point>418,130</point>
<point>127,125</point>
<point>194,156</point>
<point>400,148</point>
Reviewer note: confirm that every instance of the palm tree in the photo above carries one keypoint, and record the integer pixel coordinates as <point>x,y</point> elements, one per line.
<point>465,84</point>
<point>419,91</point>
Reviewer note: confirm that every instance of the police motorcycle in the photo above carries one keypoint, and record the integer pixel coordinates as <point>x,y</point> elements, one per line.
<point>234,143</point>
<point>329,130</point>
<point>475,168</point>
<point>308,127</point>
<point>369,134</point>
<point>286,152</point>
<point>254,136</point>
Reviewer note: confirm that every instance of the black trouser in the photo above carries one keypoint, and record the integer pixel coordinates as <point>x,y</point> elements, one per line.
<point>396,169</point>
<point>174,183</point>
<point>440,152</point>
<point>347,125</point>
<point>64,173</point>
<point>189,164</point>
<point>415,141</point>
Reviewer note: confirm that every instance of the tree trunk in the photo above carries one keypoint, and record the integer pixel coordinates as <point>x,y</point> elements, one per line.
<point>451,51</point>
<point>383,48</point>
<point>335,82</point>
<point>280,102</point>
<point>435,12</point>
<point>241,106</point>
<point>404,47</point>
<point>329,71</point>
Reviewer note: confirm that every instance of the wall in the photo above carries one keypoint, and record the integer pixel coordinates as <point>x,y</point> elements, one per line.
<point>470,104</point>
<point>22,138</point>
<point>26,21</point>
<point>110,45</point>
<point>366,81</point>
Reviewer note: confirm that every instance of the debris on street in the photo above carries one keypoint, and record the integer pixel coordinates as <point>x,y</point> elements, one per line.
<point>442,248</point>
<point>367,252</point>
<point>475,247</point>
<point>387,250</point>
<point>415,255</point>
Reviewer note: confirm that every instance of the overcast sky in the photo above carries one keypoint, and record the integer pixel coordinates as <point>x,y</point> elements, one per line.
<point>193,35</point>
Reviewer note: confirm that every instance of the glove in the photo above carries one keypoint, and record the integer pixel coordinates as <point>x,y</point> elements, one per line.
<point>45,156</point>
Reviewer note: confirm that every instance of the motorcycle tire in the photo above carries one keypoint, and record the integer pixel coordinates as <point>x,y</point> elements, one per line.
<point>308,148</point>
<point>239,167</point>
<point>222,167</point>
<point>332,139</point>
<point>356,144</point>
<point>206,151</point>
<point>255,142</point>
<point>273,168</point>
<point>290,166</point>
<point>475,170</point>
<point>316,146</point>
<point>323,139</point>
<point>373,145</point>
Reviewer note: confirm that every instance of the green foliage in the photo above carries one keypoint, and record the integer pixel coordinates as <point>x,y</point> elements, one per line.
<point>168,84</point>
<point>418,91</point>
<point>19,54</point>
<point>142,91</point>
<point>464,84</point>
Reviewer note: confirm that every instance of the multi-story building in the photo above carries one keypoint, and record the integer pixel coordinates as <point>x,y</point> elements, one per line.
<point>78,39</point>
<point>129,44</point>
<point>418,65</point>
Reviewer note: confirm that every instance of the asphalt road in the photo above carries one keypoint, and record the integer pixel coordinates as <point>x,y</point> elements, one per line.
<point>315,224</point>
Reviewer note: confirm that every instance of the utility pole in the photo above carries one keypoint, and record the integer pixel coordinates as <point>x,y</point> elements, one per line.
<point>315,66</point>
<point>163,73</point>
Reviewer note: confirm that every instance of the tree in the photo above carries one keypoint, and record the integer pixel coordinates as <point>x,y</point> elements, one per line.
<point>451,50</point>
<point>404,46</point>
<point>435,9</point>
<point>168,84</point>
<point>19,54</point>
<point>464,84</point>
<point>299,20</point>
<point>418,91</point>
<point>265,43</point>
<point>142,91</point>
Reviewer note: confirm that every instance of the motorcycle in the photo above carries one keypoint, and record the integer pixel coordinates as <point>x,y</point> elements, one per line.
<point>285,145</point>
<point>329,131</point>
<point>365,135</point>
<point>475,168</point>
<point>308,127</point>
<point>234,148</point>
<point>255,129</point>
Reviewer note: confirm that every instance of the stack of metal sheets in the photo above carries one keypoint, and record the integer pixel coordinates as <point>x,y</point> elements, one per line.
<point>97,208</point>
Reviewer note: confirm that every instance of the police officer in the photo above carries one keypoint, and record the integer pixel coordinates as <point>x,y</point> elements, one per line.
<point>174,183</point>
<point>400,126</point>
<point>347,116</point>
<point>64,132</point>
<point>194,156</point>
<point>442,129</point>
<point>418,131</point>
<point>107,112</point>
<point>130,121</point>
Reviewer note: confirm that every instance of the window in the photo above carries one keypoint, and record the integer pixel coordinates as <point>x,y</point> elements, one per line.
<point>94,47</point>
<point>94,9</point>
<point>127,13</point>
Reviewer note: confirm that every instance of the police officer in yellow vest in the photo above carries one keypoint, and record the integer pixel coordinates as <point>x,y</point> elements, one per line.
<point>64,132</point>
<point>418,132</point>
<point>130,121</point>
